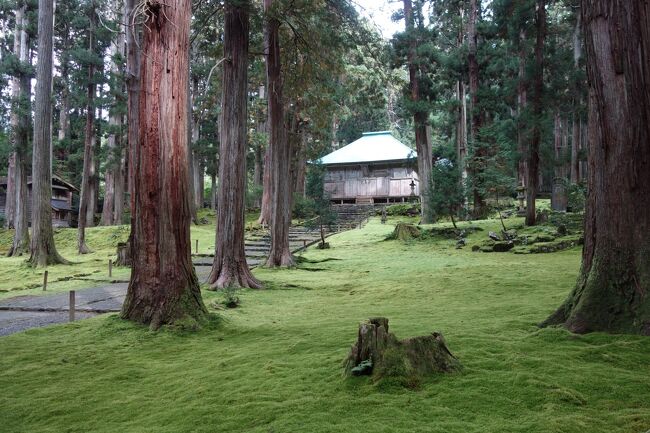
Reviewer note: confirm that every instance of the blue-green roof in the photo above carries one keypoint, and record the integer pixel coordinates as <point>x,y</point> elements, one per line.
<point>371,147</point>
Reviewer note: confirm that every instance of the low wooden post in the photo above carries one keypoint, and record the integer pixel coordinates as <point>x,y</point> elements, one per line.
<point>110,267</point>
<point>197,246</point>
<point>45,281</point>
<point>71,309</point>
<point>304,243</point>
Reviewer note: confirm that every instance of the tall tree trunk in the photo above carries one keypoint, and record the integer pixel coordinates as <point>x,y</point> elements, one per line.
<point>163,287</point>
<point>114,163</point>
<point>612,291</point>
<point>476,114</point>
<point>43,250</point>
<point>133,94</point>
<point>230,268</point>
<point>461,114</point>
<point>10,204</point>
<point>22,110</point>
<point>280,152</point>
<point>265,208</point>
<point>213,191</point>
<point>538,111</point>
<point>120,176</point>
<point>420,118</point>
<point>522,102</point>
<point>197,168</point>
<point>575,139</point>
<point>85,201</point>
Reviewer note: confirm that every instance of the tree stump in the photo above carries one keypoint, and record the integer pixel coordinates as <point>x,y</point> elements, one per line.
<point>124,255</point>
<point>380,354</point>
<point>405,232</point>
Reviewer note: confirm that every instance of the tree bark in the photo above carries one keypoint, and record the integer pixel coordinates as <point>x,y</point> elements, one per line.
<point>43,250</point>
<point>114,160</point>
<point>133,94</point>
<point>164,288</point>
<point>265,208</point>
<point>89,142</point>
<point>575,138</point>
<point>461,114</point>
<point>611,293</point>
<point>280,152</point>
<point>538,111</point>
<point>21,122</point>
<point>522,102</point>
<point>476,114</point>
<point>420,117</point>
<point>11,190</point>
<point>229,268</point>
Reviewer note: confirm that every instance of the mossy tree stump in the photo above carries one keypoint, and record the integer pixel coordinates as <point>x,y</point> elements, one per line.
<point>405,232</point>
<point>380,354</point>
<point>124,255</point>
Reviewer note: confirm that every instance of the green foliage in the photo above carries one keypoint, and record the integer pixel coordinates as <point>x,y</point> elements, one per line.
<point>577,194</point>
<point>446,192</point>
<point>303,207</point>
<point>318,202</point>
<point>404,209</point>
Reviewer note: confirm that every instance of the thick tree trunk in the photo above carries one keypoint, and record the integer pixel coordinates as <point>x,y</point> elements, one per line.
<point>575,139</point>
<point>265,208</point>
<point>476,114</point>
<point>461,115</point>
<point>522,101</point>
<point>21,122</point>
<point>114,163</point>
<point>213,194</point>
<point>538,111</point>
<point>612,292</point>
<point>280,152</point>
<point>163,287</point>
<point>11,190</point>
<point>133,93</point>
<point>43,250</point>
<point>120,176</point>
<point>420,118</point>
<point>89,142</point>
<point>230,268</point>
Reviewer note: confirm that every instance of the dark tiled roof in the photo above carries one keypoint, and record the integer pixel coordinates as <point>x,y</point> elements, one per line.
<point>60,205</point>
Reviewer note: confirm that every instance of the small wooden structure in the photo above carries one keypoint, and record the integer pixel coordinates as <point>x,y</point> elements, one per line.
<point>62,192</point>
<point>377,168</point>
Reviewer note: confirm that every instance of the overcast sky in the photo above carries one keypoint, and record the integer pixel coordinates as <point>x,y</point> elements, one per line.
<point>380,11</point>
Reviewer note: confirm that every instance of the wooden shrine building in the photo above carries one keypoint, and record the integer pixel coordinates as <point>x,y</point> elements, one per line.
<point>376,168</point>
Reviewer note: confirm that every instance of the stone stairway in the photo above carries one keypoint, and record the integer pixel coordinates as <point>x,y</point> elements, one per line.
<point>351,216</point>
<point>258,243</point>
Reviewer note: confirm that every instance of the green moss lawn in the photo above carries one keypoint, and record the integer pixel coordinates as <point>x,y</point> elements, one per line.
<point>274,364</point>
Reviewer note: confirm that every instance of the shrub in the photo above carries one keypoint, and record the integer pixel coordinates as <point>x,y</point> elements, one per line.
<point>405,209</point>
<point>577,196</point>
<point>303,207</point>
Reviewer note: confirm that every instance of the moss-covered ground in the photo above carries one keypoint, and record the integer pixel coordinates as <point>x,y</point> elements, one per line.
<point>274,364</point>
<point>17,278</point>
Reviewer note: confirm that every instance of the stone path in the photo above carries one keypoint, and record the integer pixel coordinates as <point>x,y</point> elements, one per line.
<point>25,312</point>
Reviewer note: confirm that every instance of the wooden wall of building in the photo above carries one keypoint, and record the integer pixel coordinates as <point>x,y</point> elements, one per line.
<point>379,182</point>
